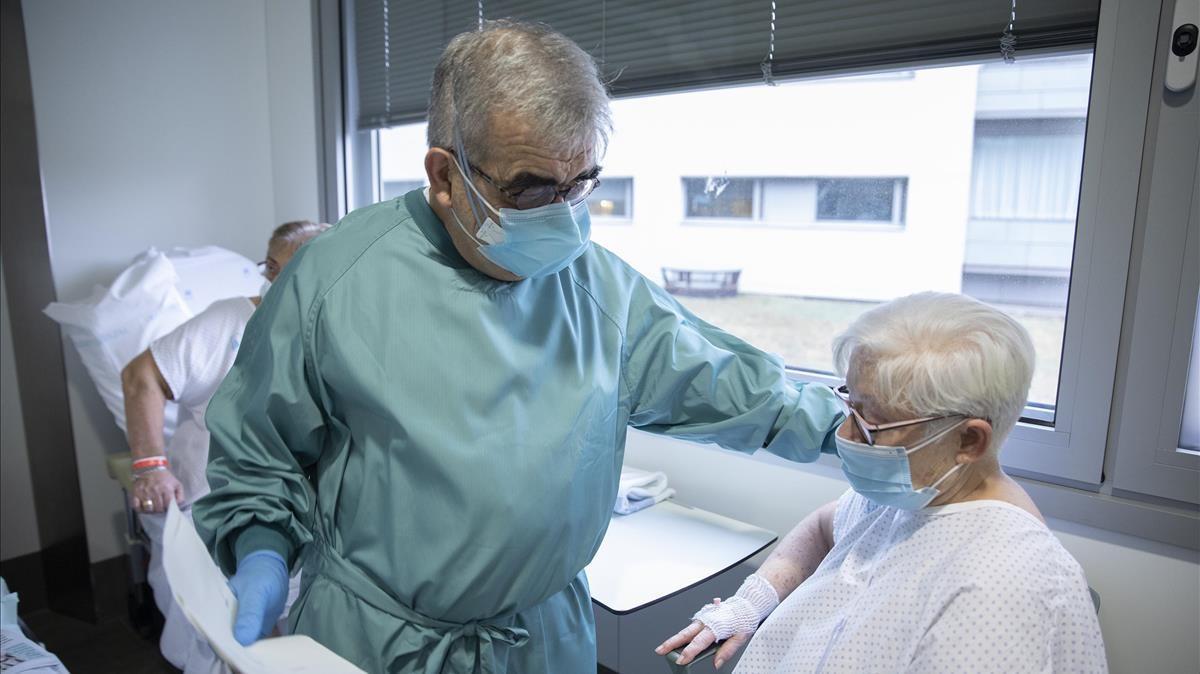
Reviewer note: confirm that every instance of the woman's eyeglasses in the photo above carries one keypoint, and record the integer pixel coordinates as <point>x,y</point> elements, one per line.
<point>868,429</point>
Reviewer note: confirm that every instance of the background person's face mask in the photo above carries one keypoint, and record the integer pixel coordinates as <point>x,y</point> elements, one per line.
<point>882,472</point>
<point>533,242</point>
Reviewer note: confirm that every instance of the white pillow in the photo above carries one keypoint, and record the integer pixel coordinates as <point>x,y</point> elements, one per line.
<point>210,273</point>
<point>115,324</point>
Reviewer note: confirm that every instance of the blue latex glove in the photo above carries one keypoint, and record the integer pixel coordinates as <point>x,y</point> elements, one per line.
<point>261,588</point>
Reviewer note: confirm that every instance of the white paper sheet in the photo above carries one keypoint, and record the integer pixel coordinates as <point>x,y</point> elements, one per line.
<point>202,593</point>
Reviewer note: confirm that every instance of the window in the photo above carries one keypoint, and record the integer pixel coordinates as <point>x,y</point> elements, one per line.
<point>796,201</point>
<point>991,196</point>
<point>1024,196</point>
<point>928,187</point>
<point>978,195</point>
<point>858,199</point>
<point>398,188</point>
<point>613,198</point>
<point>721,197</point>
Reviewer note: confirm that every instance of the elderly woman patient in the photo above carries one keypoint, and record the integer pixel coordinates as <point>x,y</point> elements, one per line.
<point>935,561</point>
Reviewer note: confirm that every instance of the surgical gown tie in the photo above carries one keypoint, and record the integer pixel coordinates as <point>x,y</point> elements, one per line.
<point>441,645</point>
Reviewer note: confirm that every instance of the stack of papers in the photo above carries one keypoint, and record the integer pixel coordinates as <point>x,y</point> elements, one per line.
<point>203,595</point>
<point>19,655</point>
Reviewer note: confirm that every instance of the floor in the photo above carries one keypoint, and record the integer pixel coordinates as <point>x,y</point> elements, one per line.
<point>110,645</point>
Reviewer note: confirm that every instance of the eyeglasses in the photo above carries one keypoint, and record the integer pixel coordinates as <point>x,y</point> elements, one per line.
<point>868,429</point>
<point>267,268</point>
<point>540,195</point>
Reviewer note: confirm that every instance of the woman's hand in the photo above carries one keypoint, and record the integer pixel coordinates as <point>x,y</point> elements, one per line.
<point>152,492</point>
<point>696,637</point>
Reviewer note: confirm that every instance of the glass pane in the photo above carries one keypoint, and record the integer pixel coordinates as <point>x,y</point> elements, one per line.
<point>1189,433</point>
<point>855,199</point>
<point>611,198</point>
<point>985,182</point>
<point>398,188</point>
<point>719,197</point>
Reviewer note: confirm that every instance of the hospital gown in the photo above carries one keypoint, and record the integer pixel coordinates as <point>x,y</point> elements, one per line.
<point>979,586</point>
<point>442,450</point>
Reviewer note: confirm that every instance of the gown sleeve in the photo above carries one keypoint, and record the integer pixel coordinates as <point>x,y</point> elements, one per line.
<point>691,380</point>
<point>268,425</point>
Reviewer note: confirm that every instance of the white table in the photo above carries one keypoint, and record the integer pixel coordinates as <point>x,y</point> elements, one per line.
<point>655,568</point>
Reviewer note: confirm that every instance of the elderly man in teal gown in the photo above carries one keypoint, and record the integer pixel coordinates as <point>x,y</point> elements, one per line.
<point>429,410</point>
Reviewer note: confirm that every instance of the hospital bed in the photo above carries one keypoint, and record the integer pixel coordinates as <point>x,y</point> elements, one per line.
<point>156,293</point>
<point>143,614</point>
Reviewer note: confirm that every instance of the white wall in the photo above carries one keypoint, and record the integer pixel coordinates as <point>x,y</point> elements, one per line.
<point>163,123</point>
<point>18,522</point>
<point>1150,592</point>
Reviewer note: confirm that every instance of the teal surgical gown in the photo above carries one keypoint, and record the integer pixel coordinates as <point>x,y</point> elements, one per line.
<point>440,451</point>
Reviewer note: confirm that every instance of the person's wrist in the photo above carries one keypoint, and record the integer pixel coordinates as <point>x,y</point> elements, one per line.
<point>759,594</point>
<point>263,557</point>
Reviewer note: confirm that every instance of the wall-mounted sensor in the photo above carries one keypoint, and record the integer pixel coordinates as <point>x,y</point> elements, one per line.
<point>1181,61</point>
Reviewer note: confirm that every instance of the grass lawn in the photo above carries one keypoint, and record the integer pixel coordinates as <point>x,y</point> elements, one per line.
<point>802,330</point>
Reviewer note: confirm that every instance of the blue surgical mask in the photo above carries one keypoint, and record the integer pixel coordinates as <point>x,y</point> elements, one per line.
<point>882,474</point>
<point>534,242</point>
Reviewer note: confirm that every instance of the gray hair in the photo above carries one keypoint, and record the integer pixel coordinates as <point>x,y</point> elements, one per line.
<point>296,233</point>
<point>527,70</point>
<point>939,353</point>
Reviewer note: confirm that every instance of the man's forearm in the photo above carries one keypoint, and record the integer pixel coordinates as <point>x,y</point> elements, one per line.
<point>144,403</point>
<point>800,552</point>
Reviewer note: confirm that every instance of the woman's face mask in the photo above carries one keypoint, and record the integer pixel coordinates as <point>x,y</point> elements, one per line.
<point>528,243</point>
<point>882,472</point>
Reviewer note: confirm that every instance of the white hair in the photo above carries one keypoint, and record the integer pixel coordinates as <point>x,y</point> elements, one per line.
<point>296,233</point>
<point>522,69</point>
<point>941,354</point>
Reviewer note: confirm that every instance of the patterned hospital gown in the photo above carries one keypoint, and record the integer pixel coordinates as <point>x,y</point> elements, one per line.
<point>981,586</point>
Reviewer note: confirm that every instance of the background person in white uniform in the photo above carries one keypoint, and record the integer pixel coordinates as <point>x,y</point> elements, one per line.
<point>935,561</point>
<point>186,365</point>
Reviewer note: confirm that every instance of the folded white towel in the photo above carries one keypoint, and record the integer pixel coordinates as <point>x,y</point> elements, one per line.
<point>640,489</point>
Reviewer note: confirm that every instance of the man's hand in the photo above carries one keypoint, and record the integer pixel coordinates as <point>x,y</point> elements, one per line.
<point>261,588</point>
<point>153,491</point>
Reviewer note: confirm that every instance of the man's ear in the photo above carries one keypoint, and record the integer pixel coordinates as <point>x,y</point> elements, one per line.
<point>438,168</point>
<point>974,440</point>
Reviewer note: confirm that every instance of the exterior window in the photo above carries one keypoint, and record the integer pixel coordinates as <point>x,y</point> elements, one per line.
<point>797,202</point>
<point>858,199</point>
<point>613,198</point>
<point>398,188</point>
<point>720,197</point>
<point>813,201</point>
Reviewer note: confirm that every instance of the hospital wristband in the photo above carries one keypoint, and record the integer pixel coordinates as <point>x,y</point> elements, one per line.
<point>150,462</point>
<point>146,471</point>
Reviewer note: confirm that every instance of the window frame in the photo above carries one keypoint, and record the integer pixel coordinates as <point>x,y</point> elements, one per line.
<point>1165,293</point>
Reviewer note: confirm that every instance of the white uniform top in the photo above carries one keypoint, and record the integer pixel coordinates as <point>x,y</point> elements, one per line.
<point>981,586</point>
<point>194,358</point>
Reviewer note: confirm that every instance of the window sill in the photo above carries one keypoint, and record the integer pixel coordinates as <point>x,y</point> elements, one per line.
<point>1177,525</point>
